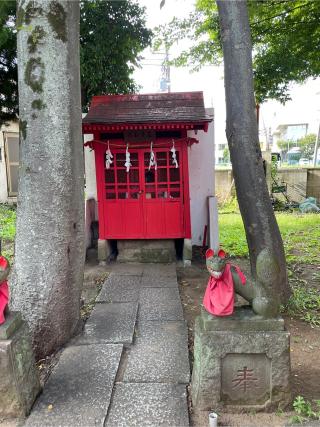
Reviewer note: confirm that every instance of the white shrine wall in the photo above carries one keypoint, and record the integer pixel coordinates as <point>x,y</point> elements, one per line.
<point>90,170</point>
<point>12,127</point>
<point>201,179</point>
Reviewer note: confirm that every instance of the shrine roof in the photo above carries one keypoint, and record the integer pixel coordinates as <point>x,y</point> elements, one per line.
<point>174,107</point>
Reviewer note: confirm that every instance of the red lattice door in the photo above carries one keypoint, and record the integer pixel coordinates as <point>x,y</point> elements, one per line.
<point>123,203</point>
<point>142,203</point>
<point>163,195</point>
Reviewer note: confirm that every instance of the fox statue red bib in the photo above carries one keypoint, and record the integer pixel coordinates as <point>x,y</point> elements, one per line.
<point>219,296</point>
<point>4,289</point>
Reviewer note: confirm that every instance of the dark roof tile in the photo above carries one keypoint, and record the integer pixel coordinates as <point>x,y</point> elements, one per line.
<point>150,108</point>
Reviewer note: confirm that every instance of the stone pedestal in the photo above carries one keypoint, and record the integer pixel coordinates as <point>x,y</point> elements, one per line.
<point>162,251</point>
<point>19,381</point>
<point>241,362</point>
<point>187,252</point>
<point>103,251</point>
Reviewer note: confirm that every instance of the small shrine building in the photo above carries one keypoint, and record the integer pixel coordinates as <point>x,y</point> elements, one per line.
<point>154,169</point>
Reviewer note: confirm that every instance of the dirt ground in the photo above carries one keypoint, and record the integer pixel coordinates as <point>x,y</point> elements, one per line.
<point>305,346</point>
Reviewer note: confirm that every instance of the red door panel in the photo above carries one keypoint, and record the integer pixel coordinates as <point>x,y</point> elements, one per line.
<point>132,220</point>
<point>123,219</point>
<point>154,223</point>
<point>114,220</point>
<point>143,203</point>
<point>173,219</point>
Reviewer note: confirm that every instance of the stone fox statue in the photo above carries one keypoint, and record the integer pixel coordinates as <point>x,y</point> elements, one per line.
<point>227,279</point>
<point>4,290</point>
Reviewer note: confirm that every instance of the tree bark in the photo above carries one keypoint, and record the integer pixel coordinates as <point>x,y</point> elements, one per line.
<point>261,228</point>
<point>49,248</point>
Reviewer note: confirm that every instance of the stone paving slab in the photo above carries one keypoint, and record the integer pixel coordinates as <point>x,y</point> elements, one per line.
<point>160,282</point>
<point>79,388</point>
<point>161,304</point>
<point>110,323</point>
<point>154,330</point>
<point>127,269</point>
<point>160,270</point>
<point>148,405</point>
<point>126,288</point>
<point>159,354</point>
<point>116,280</point>
<point>120,289</point>
<point>117,295</point>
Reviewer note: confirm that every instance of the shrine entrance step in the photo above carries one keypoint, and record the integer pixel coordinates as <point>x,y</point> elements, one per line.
<point>146,251</point>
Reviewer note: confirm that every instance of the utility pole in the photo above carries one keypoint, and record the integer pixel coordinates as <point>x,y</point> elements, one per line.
<point>168,70</point>
<point>165,73</point>
<point>269,140</point>
<point>316,147</point>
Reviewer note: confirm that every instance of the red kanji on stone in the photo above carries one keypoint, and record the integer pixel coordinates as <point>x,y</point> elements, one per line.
<point>244,379</point>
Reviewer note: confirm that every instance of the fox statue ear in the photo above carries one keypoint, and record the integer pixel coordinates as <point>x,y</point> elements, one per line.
<point>221,253</point>
<point>209,253</point>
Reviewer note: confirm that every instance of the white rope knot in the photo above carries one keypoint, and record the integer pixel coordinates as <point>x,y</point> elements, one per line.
<point>152,161</point>
<point>127,163</point>
<point>109,157</point>
<point>174,156</point>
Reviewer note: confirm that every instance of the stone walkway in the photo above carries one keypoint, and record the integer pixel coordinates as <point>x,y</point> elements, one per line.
<point>130,367</point>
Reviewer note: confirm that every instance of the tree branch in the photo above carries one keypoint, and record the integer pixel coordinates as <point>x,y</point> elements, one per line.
<point>280,14</point>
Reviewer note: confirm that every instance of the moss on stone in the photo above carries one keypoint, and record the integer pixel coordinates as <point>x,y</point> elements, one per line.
<point>23,128</point>
<point>35,38</point>
<point>38,104</point>
<point>32,11</point>
<point>267,267</point>
<point>57,20</point>
<point>20,17</point>
<point>34,74</point>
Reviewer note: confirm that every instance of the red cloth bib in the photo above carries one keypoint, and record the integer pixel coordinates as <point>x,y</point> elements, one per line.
<point>219,296</point>
<point>4,296</point>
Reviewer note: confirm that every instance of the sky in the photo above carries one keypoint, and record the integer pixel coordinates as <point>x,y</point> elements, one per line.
<point>304,107</point>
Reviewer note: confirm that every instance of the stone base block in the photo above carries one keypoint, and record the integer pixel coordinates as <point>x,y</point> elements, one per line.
<point>187,252</point>
<point>103,250</point>
<point>162,251</point>
<point>241,362</point>
<point>19,384</point>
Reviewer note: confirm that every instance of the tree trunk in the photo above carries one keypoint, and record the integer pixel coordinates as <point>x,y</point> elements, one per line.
<point>49,248</point>
<point>261,228</point>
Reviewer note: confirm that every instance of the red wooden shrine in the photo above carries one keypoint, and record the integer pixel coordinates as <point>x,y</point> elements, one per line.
<point>143,201</point>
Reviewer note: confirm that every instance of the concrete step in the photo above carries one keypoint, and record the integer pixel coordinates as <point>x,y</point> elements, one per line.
<point>145,251</point>
<point>160,271</point>
<point>131,269</point>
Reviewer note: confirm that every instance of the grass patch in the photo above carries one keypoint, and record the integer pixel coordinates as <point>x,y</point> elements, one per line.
<point>300,234</point>
<point>7,222</point>
<point>304,303</point>
<point>229,206</point>
<point>304,410</point>
<point>301,239</point>
<point>7,229</point>
<point>232,235</point>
